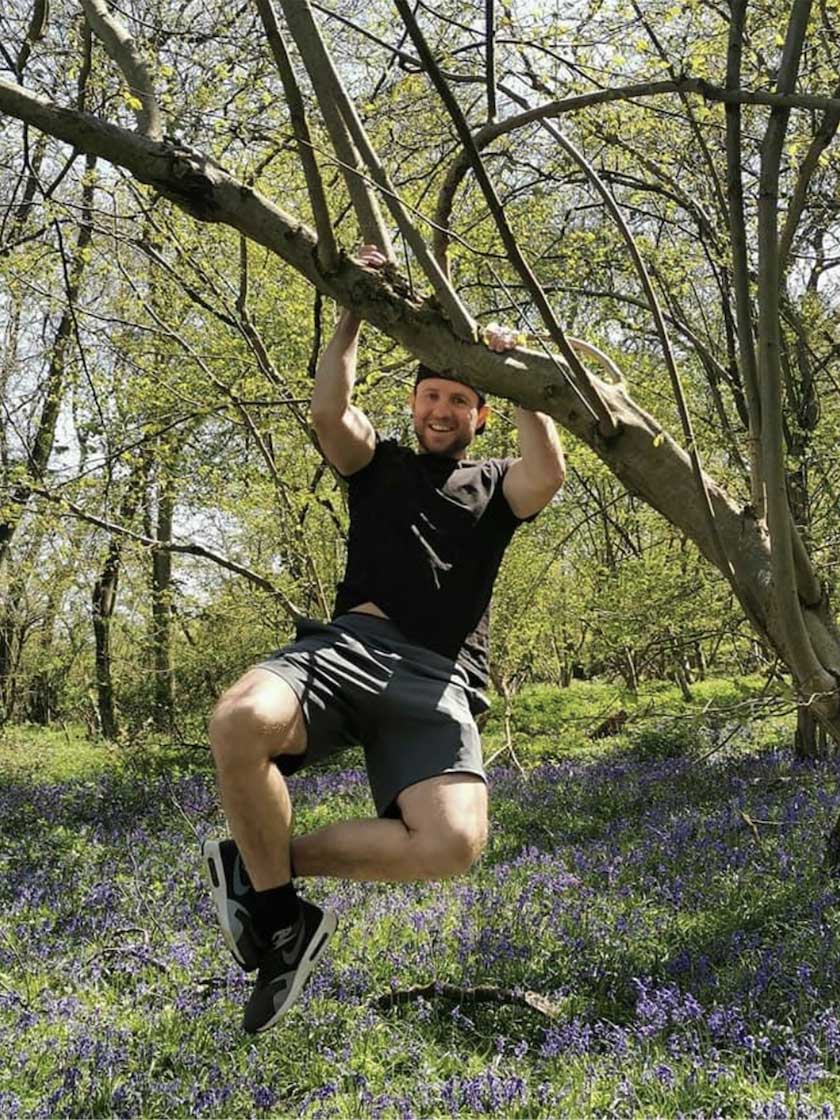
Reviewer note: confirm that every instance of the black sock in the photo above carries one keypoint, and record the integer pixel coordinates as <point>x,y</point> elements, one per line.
<point>275,909</point>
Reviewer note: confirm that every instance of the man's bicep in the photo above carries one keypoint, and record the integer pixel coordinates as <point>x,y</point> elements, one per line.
<point>526,495</point>
<point>348,441</point>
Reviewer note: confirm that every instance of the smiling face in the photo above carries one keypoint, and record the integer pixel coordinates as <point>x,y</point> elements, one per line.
<point>446,415</point>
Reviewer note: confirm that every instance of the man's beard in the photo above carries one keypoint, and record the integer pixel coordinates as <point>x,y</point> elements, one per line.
<point>460,442</point>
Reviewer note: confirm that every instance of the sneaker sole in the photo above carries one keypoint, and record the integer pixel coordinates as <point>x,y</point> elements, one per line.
<point>216,877</point>
<point>325,930</point>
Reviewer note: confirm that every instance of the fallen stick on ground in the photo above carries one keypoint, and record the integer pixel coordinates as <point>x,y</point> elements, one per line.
<point>485,993</point>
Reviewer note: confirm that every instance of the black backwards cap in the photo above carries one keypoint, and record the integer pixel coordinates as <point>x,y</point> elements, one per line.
<point>425,372</point>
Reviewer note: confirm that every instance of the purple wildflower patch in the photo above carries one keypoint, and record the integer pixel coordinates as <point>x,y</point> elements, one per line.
<point>677,959</point>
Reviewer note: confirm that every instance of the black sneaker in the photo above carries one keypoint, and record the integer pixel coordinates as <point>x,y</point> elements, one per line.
<point>285,966</point>
<point>233,897</point>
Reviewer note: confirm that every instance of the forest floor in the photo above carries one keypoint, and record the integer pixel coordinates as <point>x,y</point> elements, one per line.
<point>651,932</point>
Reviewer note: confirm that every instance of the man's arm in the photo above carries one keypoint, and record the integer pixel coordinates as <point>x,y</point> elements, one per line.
<point>346,435</point>
<point>532,480</point>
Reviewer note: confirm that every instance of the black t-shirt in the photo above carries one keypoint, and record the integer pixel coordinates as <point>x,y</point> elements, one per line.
<point>427,536</point>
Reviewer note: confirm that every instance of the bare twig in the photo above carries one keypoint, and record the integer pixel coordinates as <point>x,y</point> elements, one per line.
<point>125,951</point>
<point>187,548</point>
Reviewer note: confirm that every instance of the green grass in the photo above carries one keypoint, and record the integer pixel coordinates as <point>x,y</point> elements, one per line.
<point>549,722</point>
<point>53,754</point>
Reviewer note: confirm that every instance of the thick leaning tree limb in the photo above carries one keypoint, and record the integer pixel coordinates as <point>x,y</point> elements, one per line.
<point>656,469</point>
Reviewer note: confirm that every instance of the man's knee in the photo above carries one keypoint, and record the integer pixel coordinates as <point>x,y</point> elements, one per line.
<point>447,819</point>
<point>258,716</point>
<point>451,848</point>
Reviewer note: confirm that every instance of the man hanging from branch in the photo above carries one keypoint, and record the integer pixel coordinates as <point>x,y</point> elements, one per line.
<point>399,669</point>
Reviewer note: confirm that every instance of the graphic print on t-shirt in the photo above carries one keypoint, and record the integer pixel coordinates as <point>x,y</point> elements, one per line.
<point>435,561</point>
<point>439,518</point>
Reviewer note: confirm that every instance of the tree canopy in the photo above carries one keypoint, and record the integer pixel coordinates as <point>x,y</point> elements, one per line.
<point>647,192</point>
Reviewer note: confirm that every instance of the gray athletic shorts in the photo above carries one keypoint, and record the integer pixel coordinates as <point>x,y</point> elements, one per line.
<point>360,682</point>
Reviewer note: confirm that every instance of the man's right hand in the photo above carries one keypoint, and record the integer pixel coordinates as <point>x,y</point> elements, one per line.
<point>371,256</point>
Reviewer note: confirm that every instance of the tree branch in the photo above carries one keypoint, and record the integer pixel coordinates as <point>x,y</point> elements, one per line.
<point>37,30</point>
<point>490,56</point>
<point>692,120</point>
<point>729,96</point>
<point>586,385</point>
<point>188,548</point>
<point>120,46</point>
<point>396,52</point>
<point>799,649</point>
<point>328,90</point>
<point>329,86</point>
<point>327,248</point>
<point>824,135</point>
<point>740,264</point>
<point>659,321</point>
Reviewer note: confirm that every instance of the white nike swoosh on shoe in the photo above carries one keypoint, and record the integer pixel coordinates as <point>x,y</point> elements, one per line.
<point>290,955</point>
<point>240,887</point>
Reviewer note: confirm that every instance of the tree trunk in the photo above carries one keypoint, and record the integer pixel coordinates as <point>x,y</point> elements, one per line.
<point>700,664</point>
<point>104,598</point>
<point>16,626</point>
<point>40,449</point>
<point>682,681</point>
<point>9,645</point>
<point>164,677</point>
<point>631,678</point>
<point>42,691</point>
<point>810,741</point>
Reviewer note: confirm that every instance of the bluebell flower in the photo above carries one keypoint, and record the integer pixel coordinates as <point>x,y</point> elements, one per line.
<point>264,1098</point>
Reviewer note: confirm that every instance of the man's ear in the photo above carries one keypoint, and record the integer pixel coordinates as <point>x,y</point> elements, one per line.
<point>483,413</point>
<point>412,397</point>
